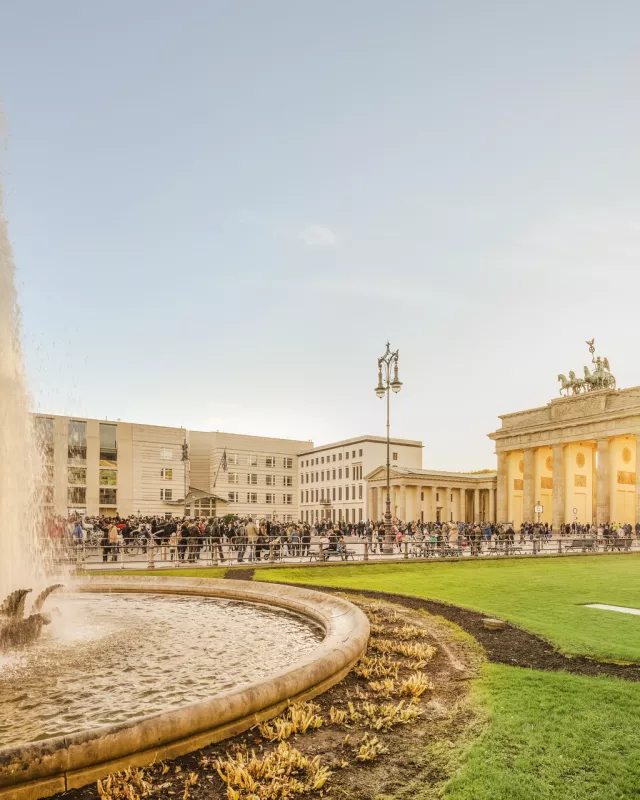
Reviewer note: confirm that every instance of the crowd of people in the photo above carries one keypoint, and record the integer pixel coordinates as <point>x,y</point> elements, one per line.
<point>183,541</point>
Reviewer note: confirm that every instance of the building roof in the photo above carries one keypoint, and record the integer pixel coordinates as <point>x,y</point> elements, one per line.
<point>359,440</point>
<point>438,473</point>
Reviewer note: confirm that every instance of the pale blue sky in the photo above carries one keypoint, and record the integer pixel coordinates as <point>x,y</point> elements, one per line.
<point>221,210</point>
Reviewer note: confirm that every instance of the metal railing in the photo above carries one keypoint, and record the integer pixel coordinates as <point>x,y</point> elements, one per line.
<point>137,554</point>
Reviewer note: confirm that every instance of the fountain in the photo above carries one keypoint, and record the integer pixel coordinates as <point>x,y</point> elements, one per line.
<point>129,670</point>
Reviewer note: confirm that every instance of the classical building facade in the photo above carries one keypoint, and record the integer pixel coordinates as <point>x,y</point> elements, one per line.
<point>432,496</point>
<point>332,476</point>
<point>576,458</point>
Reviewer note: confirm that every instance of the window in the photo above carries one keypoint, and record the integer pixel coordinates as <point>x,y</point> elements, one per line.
<point>334,456</point>
<point>346,455</point>
<point>270,480</point>
<point>339,473</point>
<point>252,497</point>
<point>346,472</point>
<point>232,458</point>
<point>307,495</point>
<point>77,447</point>
<point>234,477</point>
<point>360,492</point>
<point>317,460</point>
<point>287,480</point>
<point>346,518</point>
<point>77,495</point>
<point>77,475</point>
<point>108,445</point>
<point>270,461</point>
<point>44,436</point>
<point>316,495</point>
<point>334,474</point>
<point>166,454</point>
<point>322,495</point>
<point>287,499</point>
<point>322,475</point>
<point>253,461</point>
<point>437,496</point>
<point>339,492</point>
<point>108,497</point>
<point>360,453</point>
<point>346,492</point>
<point>288,463</point>
<point>357,472</point>
<point>353,455</point>
<point>339,456</point>
<point>312,477</point>
<point>394,457</point>
<point>233,497</point>
<point>322,460</point>
<point>108,477</point>
<point>48,473</point>
<point>316,477</point>
<point>269,498</point>
<point>166,494</point>
<point>333,493</point>
<point>166,474</point>
<point>252,478</point>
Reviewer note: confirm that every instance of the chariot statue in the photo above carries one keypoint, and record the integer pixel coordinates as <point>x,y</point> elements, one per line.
<point>16,630</point>
<point>592,380</point>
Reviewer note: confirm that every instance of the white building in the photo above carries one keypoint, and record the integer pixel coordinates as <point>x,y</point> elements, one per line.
<point>331,476</point>
<point>261,479</point>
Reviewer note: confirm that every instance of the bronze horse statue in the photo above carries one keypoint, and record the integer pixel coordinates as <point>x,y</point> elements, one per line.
<point>16,630</point>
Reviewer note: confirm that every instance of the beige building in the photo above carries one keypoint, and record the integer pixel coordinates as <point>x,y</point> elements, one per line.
<point>576,457</point>
<point>261,479</point>
<point>102,467</point>
<point>432,495</point>
<point>332,476</point>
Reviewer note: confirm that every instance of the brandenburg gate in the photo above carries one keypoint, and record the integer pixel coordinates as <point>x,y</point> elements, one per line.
<point>576,457</point>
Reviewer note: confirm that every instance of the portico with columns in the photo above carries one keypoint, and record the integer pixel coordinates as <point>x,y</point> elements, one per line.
<point>576,457</point>
<point>431,495</point>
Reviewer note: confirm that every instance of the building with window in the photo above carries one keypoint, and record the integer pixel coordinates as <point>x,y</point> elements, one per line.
<point>332,476</point>
<point>110,468</point>
<point>260,479</point>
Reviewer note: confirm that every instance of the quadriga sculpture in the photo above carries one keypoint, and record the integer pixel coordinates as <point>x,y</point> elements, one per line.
<point>16,630</point>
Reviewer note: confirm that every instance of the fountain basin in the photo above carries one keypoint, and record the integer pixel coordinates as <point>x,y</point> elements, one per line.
<point>39,769</point>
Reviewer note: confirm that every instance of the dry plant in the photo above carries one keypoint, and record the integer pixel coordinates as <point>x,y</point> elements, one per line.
<point>132,784</point>
<point>370,667</point>
<point>383,716</point>
<point>278,775</point>
<point>376,630</point>
<point>407,632</point>
<point>370,748</point>
<point>298,718</point>
<point>416,685</point>
<point>423,652</point>
<point>386,687</point>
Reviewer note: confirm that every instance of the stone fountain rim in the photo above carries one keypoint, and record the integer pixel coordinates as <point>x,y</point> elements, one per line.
<point>39,769</point>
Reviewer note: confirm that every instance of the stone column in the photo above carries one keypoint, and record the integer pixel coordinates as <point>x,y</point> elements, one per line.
<point>602,491</point>
<point>594,484</point>
<point>476,505</point>
<point>446,504</point>
<point>557,511</point>
<point>429,496</point>
<point>502,496</point>
<point>463,505</point>
<point>370,501</point>
<point>402,503</point>
<point>492,506</point>
<point>529,500</point>
<point>637,478</point>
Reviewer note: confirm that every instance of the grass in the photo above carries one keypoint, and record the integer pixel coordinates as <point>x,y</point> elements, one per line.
<point>544,596</point>
<point>552,736</point>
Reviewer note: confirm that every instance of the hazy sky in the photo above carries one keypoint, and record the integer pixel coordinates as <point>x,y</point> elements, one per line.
<point>222,210</point>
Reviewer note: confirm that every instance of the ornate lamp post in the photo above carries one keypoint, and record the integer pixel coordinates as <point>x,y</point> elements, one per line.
<point>385,383</point>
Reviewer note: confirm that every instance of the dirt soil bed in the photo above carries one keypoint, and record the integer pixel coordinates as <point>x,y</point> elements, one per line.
<point>393,728</point>
<point>510,645</point>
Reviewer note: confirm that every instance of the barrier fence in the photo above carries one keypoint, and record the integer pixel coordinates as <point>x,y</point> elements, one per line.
<point>137,554</point>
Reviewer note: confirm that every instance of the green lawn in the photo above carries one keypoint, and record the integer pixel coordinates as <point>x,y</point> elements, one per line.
<point>544,596</point>
<point>552,736</point>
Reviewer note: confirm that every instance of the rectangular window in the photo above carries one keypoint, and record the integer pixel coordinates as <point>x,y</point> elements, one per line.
<point>322,495</point>
<point>77,495</point>
<point>108,477</point>
<point>252,478</point>
<point>322,460</point>
<point>108,445</point>
<point>166,474</point>
<point>437,496</point>
<point>270,461</point>
<point>339,473</point>
<point>339,456</point>
<point>108,497</point>
<point>346,492</point>
<point>307,495</point>
<point>346,455</point>
<point>316,476</point>
<point>322,475</point>
<point>166,494</point>
<point>316,495</point>
<point>288,463</point>
<point>360,453</point>
<point>44,437</point>
<point>359,515</point>
<point>353,455</point>
<point>394,457</point>
<point>232,458</point>
<point>287,480</point>
<point>270,480</point>
<point>346,513</point>
<point>334,474</point>
<point>253,461</point>
<point>234,477</point>
<point>252,497</point>
<point>77,447</point>
<point>166,454</point>
<point>346,472</point>
<point>78,475</point>
<point>233,497</point>
<point>334,456</point>
<point>269,498</point>
<point>339,492</point>
<point>333,493</point>
<point>287,499</point>
<point>360,492</point>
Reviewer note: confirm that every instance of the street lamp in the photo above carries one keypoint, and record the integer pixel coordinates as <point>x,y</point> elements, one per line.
<point>386,382</point>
